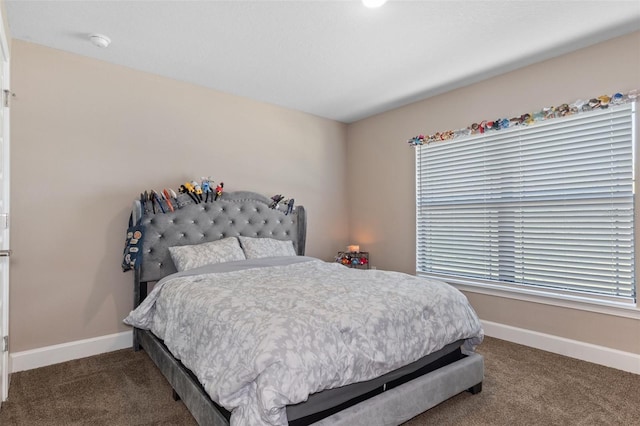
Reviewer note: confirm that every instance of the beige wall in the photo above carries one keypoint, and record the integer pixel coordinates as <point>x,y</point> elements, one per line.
<point>382,166</point>
<point>87,137</point>
<point>5,22</point>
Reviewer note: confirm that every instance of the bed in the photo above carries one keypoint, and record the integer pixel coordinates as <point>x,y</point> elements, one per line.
<point>283,338</point>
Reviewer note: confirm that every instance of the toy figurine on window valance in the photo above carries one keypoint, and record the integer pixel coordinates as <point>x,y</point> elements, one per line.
<point>527,119</point>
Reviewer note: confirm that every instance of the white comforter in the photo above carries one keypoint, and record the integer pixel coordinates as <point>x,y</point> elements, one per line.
<point>266,333</point>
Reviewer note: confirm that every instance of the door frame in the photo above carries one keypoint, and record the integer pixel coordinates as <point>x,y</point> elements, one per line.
<point>5,63</point>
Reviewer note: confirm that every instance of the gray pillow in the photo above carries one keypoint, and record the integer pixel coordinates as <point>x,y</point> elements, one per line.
<point>194,256</point>
<point>255,248</point>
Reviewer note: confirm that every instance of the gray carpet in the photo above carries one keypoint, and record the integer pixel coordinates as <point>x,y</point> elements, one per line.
<point>523,386</point>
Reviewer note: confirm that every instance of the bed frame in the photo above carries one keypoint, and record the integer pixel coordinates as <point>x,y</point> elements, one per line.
<point>249,214</point>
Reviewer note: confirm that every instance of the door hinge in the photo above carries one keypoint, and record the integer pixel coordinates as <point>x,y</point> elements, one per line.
<point>5,344</point>
<point>6,94</point>
<point>4,220</point>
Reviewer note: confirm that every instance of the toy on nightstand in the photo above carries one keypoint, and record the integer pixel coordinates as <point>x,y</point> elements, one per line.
<point>353,259</point>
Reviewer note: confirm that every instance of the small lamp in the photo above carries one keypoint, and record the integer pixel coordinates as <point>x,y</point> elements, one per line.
<point>353,248</point>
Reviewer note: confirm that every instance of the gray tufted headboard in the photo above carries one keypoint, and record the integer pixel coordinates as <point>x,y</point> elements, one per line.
<point>236,213</point>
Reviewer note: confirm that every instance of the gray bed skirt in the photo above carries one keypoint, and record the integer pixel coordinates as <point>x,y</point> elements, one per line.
<point>406,401</point>
<point>391,407</point>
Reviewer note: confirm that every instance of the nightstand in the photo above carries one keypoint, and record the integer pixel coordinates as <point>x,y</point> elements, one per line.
<point>354,259</point>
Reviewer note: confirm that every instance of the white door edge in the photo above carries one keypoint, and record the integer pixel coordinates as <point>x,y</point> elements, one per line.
<point>4,289</point>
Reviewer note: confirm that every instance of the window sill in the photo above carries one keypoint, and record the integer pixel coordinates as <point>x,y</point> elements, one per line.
<point>614,308</point>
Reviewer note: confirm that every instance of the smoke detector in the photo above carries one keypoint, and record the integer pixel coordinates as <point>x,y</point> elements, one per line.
<point>100,40</point>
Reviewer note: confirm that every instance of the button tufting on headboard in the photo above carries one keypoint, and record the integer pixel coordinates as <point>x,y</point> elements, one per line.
<point>234,213</point>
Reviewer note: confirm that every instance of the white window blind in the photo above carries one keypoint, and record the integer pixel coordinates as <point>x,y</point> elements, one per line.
<point>548,206</point>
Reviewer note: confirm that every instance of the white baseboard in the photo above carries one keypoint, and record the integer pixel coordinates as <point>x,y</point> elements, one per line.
<point>602,355</point>
<point>49,355</point>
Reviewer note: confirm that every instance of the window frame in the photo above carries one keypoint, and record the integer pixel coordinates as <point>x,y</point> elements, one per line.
<point>556,297</point>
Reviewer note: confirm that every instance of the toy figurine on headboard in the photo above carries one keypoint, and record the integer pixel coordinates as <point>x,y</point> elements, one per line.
<point>290,206</point>
<point>188,189</point>
<point>157,199</point>
<point>219,190</point>
<point>197,189</point>
<point>166,197</point>
<point>275,201</point>
<point>206,188</point>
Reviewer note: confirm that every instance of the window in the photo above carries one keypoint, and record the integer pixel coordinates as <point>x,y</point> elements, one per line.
<point>548,207</point>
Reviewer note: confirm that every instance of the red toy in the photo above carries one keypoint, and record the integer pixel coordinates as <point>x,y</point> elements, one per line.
<point>219,190</point>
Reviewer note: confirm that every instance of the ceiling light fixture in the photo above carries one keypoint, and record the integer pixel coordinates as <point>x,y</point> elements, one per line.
<point>100,40</point>
<point>373,3</point>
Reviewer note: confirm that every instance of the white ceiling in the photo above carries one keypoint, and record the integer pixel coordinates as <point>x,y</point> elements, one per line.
<point>335,59</point>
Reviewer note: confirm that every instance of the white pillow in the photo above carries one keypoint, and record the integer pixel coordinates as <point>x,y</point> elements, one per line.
<point>194,256</point>
<point>255,248</point>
